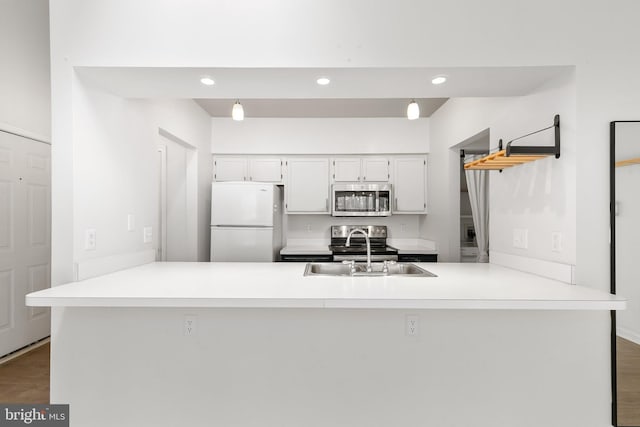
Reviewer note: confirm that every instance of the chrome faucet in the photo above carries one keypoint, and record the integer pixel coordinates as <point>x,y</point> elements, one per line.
<point>366,238</point>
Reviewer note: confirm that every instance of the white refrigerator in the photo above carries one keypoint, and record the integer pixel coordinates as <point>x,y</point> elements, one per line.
<point>246,222</point>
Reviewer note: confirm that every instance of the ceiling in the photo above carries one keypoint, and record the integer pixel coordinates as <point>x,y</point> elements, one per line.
<point>322,107</point>
<point>293,92</point>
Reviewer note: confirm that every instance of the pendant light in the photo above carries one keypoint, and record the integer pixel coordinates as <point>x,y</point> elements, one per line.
<point>237,113</point>
<point>413,110</point>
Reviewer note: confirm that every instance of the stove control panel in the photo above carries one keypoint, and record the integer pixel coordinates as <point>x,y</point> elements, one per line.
<point>374,231</point>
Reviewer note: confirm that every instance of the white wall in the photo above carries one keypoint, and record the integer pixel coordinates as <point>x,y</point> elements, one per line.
<point>539,196</point>
<point>339,368</point>
<point>318,226</point>
<point>115,168</point>
<point>368,33</point>
<point>319,136</point>
<point>454,122</point>
<point>25,85</point>
<point>325,136</point>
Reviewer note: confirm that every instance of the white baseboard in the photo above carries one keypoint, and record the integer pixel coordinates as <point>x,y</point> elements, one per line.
<point>100,266</point>
<point>549,269</point>
<point>629,335</point>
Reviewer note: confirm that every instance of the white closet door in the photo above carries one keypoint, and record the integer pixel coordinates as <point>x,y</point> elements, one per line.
<point>25,239</point>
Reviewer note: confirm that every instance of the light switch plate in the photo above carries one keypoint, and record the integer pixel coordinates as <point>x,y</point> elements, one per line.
<point>90,239</point>
<point>556,241</point>
<point>147,235</point>
<point>520,238</point>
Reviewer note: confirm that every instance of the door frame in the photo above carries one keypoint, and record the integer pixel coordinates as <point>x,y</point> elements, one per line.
<point>191,194</point>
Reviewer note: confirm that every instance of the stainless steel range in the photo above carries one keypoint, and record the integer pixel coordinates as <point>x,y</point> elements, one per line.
<point>357,250</point>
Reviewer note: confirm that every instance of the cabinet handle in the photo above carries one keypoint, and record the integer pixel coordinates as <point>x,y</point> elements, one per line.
<point>250,178</point>
<point>244,178</point>
<point>364,178</point>
<point>326,204</point>
<point>396,200</point>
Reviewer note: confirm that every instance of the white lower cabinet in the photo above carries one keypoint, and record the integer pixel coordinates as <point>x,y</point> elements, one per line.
<point>307,186</point>
<point>410,185</point>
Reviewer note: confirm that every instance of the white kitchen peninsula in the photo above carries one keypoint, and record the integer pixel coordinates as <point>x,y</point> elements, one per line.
<point>269,347</point>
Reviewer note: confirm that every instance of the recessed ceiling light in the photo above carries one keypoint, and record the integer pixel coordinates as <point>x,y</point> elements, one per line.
<point>438,80</point>
<point>323,81</point>
<point>207,81</point>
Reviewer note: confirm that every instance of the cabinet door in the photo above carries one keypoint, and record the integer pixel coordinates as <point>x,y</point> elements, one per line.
<point>409,185</point>
<point>230,169</point>
<point>375,169</point>
<point>265,170</point>
<point>307,187</point>
<point>346,169</point>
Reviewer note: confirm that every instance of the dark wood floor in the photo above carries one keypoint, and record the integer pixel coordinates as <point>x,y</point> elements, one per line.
<point>25,379</point>
<point>628,383</point>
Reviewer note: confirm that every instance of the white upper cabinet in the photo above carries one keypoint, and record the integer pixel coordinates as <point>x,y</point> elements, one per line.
<point>410,185</point>
<point>307,186</point>
<point>243,168</point>
<point>265,170</point>
<point>230,169</point>
<point>346,169</point>
<point>375,169</point>
<point>360,169</point>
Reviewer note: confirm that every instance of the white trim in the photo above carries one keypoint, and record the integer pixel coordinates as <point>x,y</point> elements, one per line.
<point>629,335</point>
<point>100,266</point>
<point>24,350</point>
<point>550,269</point>
<point>162,208</point>
<point>14,130</point>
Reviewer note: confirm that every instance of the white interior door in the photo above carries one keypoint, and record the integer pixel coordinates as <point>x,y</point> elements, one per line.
<point>25,239</point>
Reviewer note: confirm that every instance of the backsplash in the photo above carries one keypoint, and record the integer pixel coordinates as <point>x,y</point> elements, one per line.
<point>317,226</point>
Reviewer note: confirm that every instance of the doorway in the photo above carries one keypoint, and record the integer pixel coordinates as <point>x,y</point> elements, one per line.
<point>177,199</point>
<point>25,239</point>
<point>474,204</point>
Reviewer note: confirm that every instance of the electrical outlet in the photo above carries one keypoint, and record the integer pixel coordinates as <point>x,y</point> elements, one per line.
<point>412,325</point>
<point>147,234</point>
<point>520,238</point>
<point>403,228</point>
<point>308,228</point>
<point>190,325</point>
<point>131,222</point>
<point>556,241</point>
<point>90,239</point>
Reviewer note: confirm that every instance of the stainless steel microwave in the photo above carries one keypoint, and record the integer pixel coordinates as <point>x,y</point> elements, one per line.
<point>361,200</point>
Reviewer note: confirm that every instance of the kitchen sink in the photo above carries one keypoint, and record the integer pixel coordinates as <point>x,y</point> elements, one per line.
<point>404,269</point>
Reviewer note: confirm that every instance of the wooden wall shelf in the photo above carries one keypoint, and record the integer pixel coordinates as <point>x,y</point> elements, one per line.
<point>517,155</point>
<point>627,162</point>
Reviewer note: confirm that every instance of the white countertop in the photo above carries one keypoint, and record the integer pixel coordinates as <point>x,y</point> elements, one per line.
<point>305,250</point>
<point>413,246</point>
<point>282,285</point>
